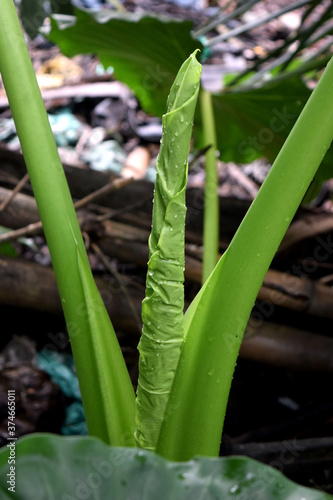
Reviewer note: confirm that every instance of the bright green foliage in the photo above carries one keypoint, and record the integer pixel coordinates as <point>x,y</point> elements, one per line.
<point>34,12</point>
<point>211,231</point>
<point>191,405</point>
<point>146,51</point>
<point>107,392</point>
<point>109,389</point>
<point>55,467</point>
<point>215,322</point>
<point>162,309</point>
<point>254,123</point>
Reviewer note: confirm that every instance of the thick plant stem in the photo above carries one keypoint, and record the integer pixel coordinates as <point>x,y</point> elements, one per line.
<point>107,393</point>
<point>216,320</point>
<point>211,210</point>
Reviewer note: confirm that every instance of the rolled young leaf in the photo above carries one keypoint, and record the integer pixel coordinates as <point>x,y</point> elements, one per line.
<point>162,309</point>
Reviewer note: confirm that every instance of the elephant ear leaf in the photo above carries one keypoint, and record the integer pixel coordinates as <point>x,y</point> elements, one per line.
<point>162,308</point>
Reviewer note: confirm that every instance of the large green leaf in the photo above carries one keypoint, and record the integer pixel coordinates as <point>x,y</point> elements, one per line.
<point>255,123</point>
<point>49,466</point>
<point>34,12</point>
<point>146,51</point>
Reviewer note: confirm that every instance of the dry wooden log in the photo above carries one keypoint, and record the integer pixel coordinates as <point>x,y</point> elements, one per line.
<point>279,289</point>
<point>25,285</point>
<point>288,347</point>
<point>21,211</point>
<point>298,294</point>
<point>211,74</point>
<point>12,163</point>
<point>308,226</point>
<point>84,181</point>
<point>128,243</point>
<point>96,89</point>
<point>28,285</point>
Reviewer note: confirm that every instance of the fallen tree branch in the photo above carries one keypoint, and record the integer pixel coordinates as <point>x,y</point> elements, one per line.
<point>128,243</point>
<point>28,285</point>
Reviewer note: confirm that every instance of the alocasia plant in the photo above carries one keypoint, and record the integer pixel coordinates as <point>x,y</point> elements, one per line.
<point>182,410</point>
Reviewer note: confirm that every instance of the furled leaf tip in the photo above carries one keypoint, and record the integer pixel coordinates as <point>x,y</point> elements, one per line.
<point>186,84</point>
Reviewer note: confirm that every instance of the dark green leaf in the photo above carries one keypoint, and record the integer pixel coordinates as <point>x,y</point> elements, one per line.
<point>7,248</point>
<point>145,51</point>
<point>32,13</point>
<point>54,467</point>
<point>62,7</point>
<point>255,123</point>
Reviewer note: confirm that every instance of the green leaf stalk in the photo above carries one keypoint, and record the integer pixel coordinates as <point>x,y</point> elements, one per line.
<point>215,322</point>
<point>107,393</point>
<point>211,207</point>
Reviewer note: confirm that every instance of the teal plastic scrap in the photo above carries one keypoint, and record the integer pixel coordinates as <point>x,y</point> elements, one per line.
<point>61,369</point>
